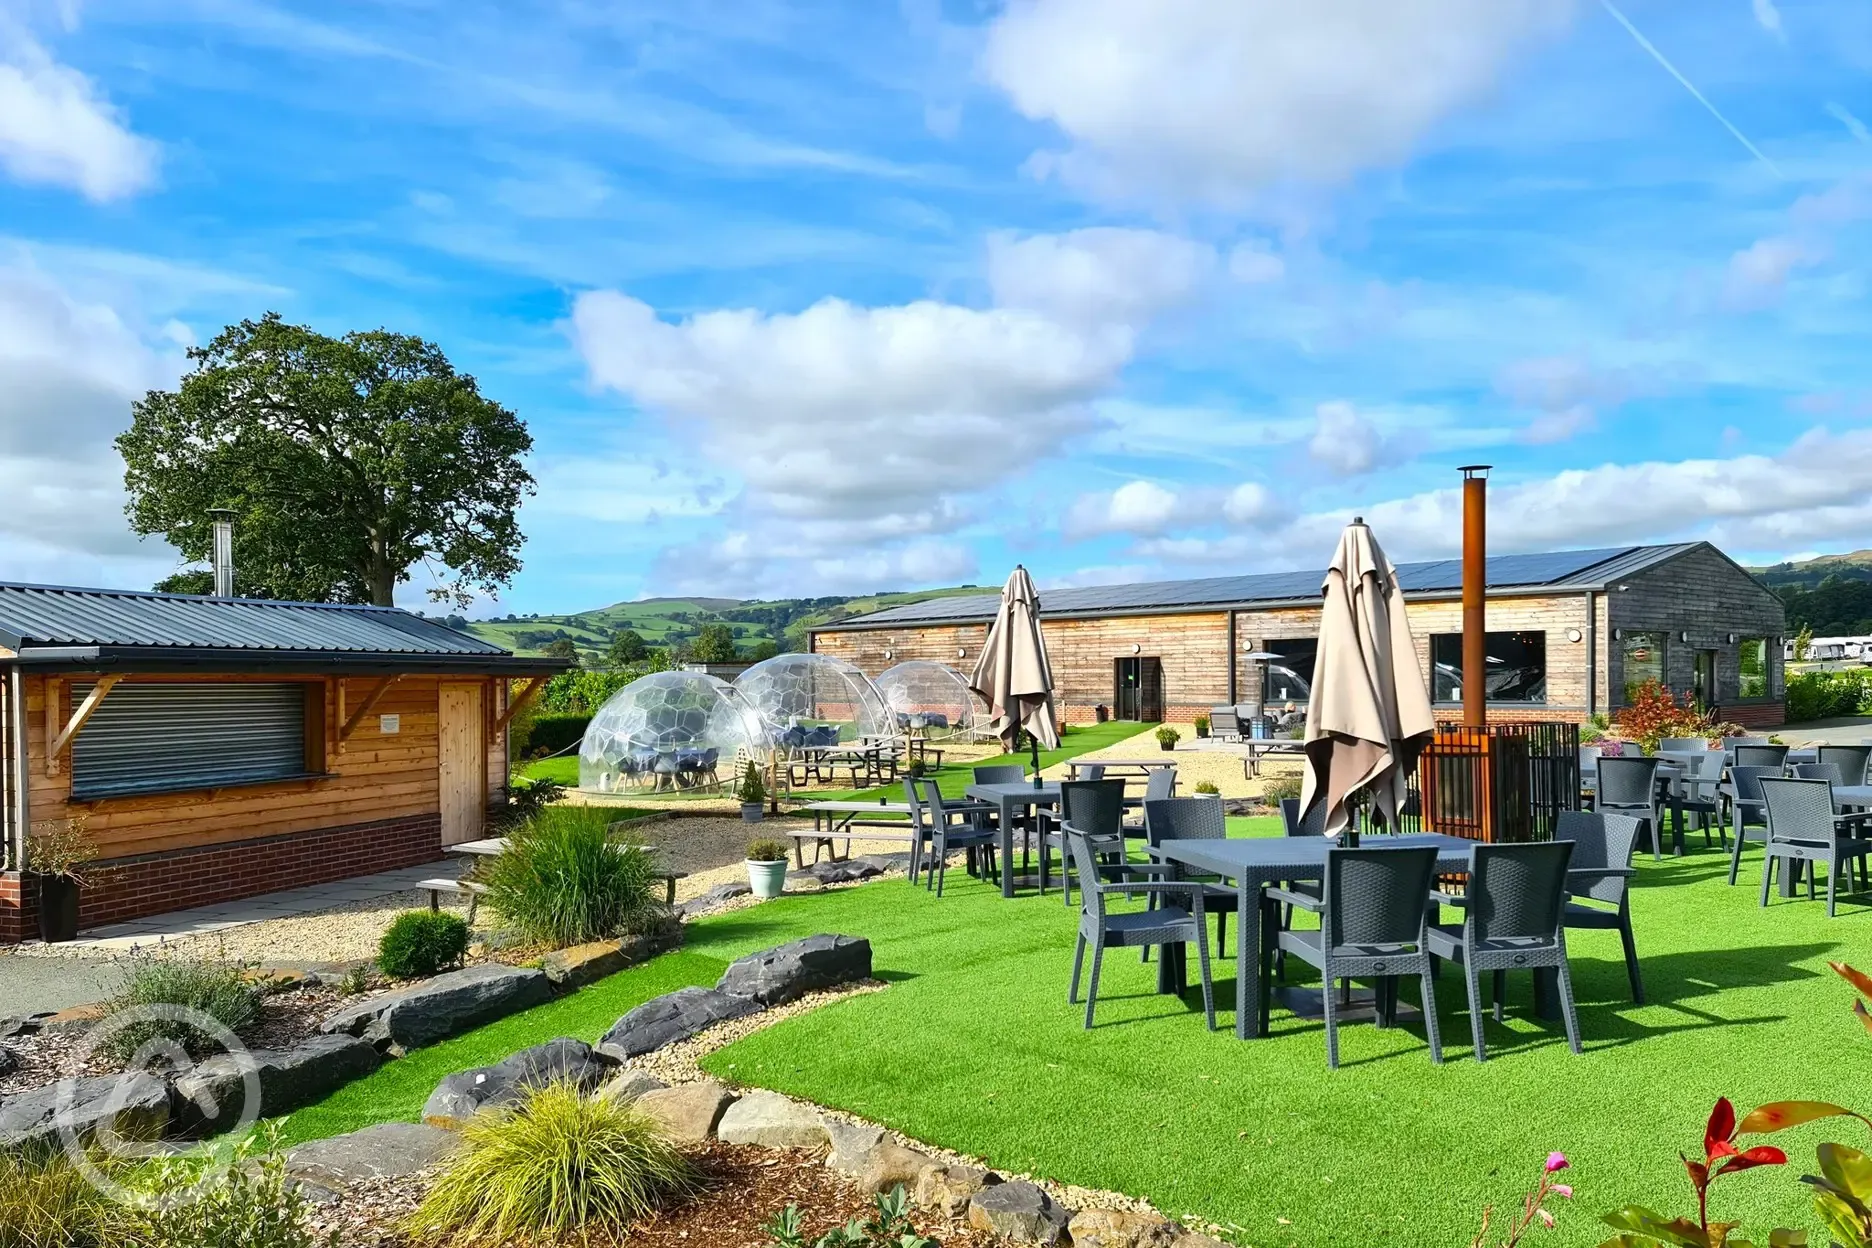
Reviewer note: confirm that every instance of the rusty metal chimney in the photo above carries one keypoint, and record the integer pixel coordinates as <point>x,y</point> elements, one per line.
<point>222,558</point>
<point>1474,595</point>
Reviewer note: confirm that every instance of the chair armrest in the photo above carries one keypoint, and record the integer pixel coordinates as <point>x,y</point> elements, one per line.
<point>1299,901</point>
<point>1604,873</point>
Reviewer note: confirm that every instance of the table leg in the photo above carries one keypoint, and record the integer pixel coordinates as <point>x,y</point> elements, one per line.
<point>1247,961</point>
<point>1007,847</point>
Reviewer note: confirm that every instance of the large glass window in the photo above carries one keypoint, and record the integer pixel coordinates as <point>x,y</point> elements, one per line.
<point>1643,655</point>
<point>1752,662</point>
<point>1290,677</point>
<point>1516,666</point>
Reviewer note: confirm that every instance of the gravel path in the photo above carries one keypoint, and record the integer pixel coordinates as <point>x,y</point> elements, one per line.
<point>33,984</point>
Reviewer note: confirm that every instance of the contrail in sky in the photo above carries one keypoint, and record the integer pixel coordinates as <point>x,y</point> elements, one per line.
<point>1660,58</point>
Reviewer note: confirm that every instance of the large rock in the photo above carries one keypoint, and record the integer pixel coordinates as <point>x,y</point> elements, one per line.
<point>629,1086</point>
<point>583,964</point>
<point>1020,1212</point>
<point>1122,1228</point>
<point>387,1150</point>
<point>793,970</point>
<point>892,1165</point>
<point>214,1093</point>
<point>848,872</point>
<point>688,1112</point>
<point>852,1145</point>
<point>461,1095</point>
<point>714,897</point>
<point>949,1189</point>
<point>439,1008</point>
<point>133,1105</point>
<point>772,1121</point>
<point>669,1018</point>
<point>22,1025</point>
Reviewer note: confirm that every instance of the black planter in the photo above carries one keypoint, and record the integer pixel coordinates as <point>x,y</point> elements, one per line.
<point>58,908</point>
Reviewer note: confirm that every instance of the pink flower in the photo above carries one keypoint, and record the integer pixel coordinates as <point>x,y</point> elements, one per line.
<point>1562,1189</point>
<point>1556,1161</point>
<point>1546,1218</point>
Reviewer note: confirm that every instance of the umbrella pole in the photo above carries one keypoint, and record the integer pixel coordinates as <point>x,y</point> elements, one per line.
<point>1035,741</point>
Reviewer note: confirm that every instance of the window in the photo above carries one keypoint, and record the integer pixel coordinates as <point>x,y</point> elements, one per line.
<point>1752,664</point>
<point>1516,666</point>
<point>155,738</point>
<point>1290,677</point>
<point>1644,661</point>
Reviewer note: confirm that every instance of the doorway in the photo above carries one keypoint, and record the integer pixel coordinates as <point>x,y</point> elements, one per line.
<point>1704,689</point>
<point>1138,689</point>
<point>461,763</point>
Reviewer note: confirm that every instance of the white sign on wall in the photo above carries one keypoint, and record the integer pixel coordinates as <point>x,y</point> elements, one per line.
<point>389,725</point>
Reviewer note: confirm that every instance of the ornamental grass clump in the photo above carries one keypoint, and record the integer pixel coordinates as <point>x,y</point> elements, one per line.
<point>556,1167</point>
<point>48,1202</point>
<point>564,881</point>
<point>160,998</point>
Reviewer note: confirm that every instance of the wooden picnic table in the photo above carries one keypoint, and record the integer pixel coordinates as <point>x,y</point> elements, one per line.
<point>1259,746</point>
<point>835,821</point>
<point>1143,766</point>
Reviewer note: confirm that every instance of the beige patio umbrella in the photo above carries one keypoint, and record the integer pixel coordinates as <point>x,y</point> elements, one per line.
<point>1013,676</point>
<point>1369,714</point>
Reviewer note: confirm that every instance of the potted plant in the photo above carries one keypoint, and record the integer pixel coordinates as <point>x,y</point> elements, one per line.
<point>1167,737</point>
<point>918,768</point>
<point>752,792</point>
<point>766,867</point>
<point>1207,788</point>
<point>56,852</point>
<point>1202,725</point>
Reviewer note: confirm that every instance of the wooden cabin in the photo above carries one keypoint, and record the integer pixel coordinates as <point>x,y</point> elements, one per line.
<point>217,748</point>
<point>1571,634</point>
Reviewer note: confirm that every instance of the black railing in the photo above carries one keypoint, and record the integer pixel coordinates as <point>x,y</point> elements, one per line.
<point>1506,782</point>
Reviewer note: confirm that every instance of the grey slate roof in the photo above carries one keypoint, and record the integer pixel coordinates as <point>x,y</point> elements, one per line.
<point>56,619</point>
<point>1559,571</point>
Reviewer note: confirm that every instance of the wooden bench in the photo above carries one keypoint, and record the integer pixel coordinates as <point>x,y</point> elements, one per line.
<point>458,888</point>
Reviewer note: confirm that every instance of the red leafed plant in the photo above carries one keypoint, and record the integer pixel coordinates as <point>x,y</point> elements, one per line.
<point>1655,713</point>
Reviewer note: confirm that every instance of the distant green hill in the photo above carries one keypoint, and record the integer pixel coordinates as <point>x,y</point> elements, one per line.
<point>666,621</point>
<point>1830,595</point>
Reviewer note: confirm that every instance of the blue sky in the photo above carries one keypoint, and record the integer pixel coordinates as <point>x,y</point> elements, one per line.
<point>835,297</point>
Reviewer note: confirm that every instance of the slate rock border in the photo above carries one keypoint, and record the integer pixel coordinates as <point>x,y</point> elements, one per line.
<point>790,971</point>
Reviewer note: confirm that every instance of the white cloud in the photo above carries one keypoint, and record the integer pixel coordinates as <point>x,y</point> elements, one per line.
<point>1565,392</point>
<point>1345,440</point>
<point>743,563</point>
<point>1252,503</point>
<point>1768,17</point>
<point>57,128</point>
<point>1853,125</point>
<point>1147,509</point>
<point>1213,100</point>
<point>1255,264</point>
<point>1100,276</point>
<point>1758,275</point>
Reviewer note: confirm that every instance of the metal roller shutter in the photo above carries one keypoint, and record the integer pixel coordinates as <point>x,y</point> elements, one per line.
<point>147,738</point>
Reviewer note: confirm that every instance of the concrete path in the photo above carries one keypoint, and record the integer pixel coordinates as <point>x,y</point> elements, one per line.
<point>1850,730</point>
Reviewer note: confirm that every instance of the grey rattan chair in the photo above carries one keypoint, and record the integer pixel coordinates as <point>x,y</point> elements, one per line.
<point>1699,794</point>
<point>1761,755</point>
<point>1373,909</point>
<point>1828,772</point>
<point>1628,786</point>
<point>1513,920</point>
<point>955,826</point>
<point>1096,808</point>
<point>1224,724</point>
<point>1850,759</point>
<point>1159,785</point>
<point>1164,925</point>
<point>1802,827</point>
<point>1674,745</point>
<point>1601,873</point>
<point>1193,819</point>
<point>1746,814</point>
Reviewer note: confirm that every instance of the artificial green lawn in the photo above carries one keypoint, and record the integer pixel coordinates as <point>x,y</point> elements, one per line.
<point>974,1047</point>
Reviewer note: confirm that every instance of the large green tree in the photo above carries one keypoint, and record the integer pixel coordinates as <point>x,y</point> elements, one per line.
<point>627,647</point>
<point>714,644</point>
<point>347,461</point>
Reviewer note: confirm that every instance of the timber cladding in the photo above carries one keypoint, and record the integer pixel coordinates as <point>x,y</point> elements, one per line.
<point>370,777</point>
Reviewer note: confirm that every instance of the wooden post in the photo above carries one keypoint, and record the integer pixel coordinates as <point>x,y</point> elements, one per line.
<point>57,738</point>
<point>1475,596</point>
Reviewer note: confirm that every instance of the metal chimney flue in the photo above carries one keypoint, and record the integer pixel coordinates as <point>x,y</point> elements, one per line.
<point>1475,595</point>
<point>222,558</point>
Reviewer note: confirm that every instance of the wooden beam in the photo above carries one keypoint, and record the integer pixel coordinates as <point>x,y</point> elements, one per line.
<point>63,738</point>
<point>369,704</point>
<point>516,701</point>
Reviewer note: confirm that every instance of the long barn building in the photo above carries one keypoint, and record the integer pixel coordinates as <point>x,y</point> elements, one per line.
<point>1570,634</point>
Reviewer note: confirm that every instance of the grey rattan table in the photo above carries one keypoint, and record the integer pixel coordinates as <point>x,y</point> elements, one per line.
<point>1256,861</point>
<point>1008,798</point>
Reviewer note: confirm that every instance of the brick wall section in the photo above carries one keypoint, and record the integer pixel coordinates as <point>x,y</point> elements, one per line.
<point>129,888</point>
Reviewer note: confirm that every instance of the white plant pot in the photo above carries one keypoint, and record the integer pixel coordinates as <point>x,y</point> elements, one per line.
<point>751,812</point>
<point>767,879</point>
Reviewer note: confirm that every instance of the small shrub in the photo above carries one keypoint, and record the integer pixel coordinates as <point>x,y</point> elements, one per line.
<point>526,799</point>
<point>1168,736</point>
<point>1202,725</point>
<point>752,790</point>
<point>1207,786</point>
<point>1826,695</point>
<point>889,1226</point>
<point>549,732</point>
<point>1281,787</point>
<point>563,881</point>
<point>555,1167</point>
<point>767,850</point>
<point>1655,713</point>
<point>421,942</point>
<point>60,847</point>
<point>355,981</point>
<point>917,768</point>
<point>47,1202</point>
<point>250,1204</point>
<point>220,990</point>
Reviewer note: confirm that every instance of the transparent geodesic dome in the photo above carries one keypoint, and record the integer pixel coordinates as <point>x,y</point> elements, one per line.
<point>813,699</point>
<point>667,730</point>
<point>931,700</point>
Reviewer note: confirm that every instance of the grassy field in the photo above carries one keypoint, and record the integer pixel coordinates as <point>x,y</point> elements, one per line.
<point>975,1048</point>
<point>952,778</point>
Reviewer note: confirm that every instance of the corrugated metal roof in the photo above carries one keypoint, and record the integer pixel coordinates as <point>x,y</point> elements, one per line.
<point>1558,570</point>
<point>52,615</point>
